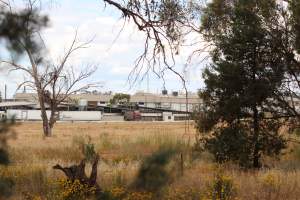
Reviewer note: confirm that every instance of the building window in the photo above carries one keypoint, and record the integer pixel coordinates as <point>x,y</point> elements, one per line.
<point>141,103</point>
<point>102,102</point>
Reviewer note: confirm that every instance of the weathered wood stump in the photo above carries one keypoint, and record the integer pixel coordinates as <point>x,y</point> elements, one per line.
<point>77,172</point>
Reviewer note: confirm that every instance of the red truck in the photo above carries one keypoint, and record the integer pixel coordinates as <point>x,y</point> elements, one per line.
<point>132,116</point>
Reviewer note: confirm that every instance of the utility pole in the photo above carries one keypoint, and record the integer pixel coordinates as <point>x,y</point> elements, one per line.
<point>148,83</point>
<point>5,92</point>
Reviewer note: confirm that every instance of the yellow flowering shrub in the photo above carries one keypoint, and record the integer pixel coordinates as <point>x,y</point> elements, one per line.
<point>120,193</point>
<point>68,190</point>
<point>270,181</point>
<point>139,196</point>
<point>222,188</point>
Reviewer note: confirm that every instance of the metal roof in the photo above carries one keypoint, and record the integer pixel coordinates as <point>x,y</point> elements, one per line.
<point>138,97</point>
<point>16,103</point>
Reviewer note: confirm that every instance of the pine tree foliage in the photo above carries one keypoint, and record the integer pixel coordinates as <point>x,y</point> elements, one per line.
<point>240,117</point>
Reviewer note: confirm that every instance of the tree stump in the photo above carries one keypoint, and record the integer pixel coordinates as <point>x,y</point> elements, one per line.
<point>77,172</point>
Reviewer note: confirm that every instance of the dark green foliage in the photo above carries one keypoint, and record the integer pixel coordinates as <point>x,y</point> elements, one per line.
<point>5,133</point>
<point>153,173</point>
<point>6,185</point>
<point>234,143</point>
<point>294,7</point>
<point>4,159</point>
<point>165,14</point>
<point>89,152</point>
<point>17,28</point>
<point>120,98</point>
<point>239,118</point>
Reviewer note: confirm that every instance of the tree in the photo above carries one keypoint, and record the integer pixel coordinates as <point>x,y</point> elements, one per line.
<point>285,33</point>
<point>120,98</point>
<point>161,22</point>
<point>240,117</point>
<point>12,27</point>
<point>53,82</point>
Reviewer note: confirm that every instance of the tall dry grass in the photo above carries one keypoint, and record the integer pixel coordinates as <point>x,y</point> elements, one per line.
<point>123,146</point>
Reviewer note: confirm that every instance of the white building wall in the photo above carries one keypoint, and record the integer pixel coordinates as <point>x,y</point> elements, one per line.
<point>25,114</point>
<point>182,107</point>
<point>190,107</point>
<point>168,116</point>
<point>80,115</point>
<point>175,106</point>
<point>166,105</point>
<point>63,115</point>
<point>150,105</point>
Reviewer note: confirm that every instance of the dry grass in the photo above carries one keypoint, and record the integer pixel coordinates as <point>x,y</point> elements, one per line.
<point>122,146</point>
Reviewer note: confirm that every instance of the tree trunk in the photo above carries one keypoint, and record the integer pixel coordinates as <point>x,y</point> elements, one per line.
<point>47,128</point>
<point>46,125</point>
<point>256,154</point>
<point>52,119</point>
<point>77,172</point>
<point>255,142</point>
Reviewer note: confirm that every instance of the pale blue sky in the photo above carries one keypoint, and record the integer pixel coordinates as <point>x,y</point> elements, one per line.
<point>115,59</point>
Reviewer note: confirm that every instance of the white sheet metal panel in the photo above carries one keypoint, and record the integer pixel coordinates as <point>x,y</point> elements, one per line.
<point>16,114</point>
<point>180,115</point>
<point>182,107</point>
<point>112,117</point>
<point>175,106</point>
<point>168,116</point>
<point>13,114</point>
<point>33,114</point>
<point>151,114</point>
<point>25,114</point>
<point>80,115</point>
<point>150,105</point>
<point>63,115</point>
<point>190,107</point>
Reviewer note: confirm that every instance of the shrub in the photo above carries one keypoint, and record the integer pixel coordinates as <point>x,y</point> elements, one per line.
<point>73,190</point>
<point>235,143</point>
<point>222,188</point>
<point>271,184</point>
<point>89,151</point>
<point>6,187</point>
<point>85,146</point>
<point>153,174</point>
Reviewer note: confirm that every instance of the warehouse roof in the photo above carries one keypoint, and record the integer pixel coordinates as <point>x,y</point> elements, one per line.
<point>138,97</point>
<point>16,103</point>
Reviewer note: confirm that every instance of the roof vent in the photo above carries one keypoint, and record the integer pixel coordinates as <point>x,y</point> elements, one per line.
<point>175,94</point>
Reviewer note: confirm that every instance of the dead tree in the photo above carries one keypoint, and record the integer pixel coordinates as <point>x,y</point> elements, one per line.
<point>53,82</point>
<point>77,172</point>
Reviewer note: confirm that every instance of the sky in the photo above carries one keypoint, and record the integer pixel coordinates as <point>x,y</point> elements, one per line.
<point>113,52</point>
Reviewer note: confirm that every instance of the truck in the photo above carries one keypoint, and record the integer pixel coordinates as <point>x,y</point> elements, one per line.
<point>132,116</point>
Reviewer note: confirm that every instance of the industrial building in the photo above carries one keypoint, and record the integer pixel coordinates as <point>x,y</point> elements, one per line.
<point>96,107</point>
<point>173,101</point>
